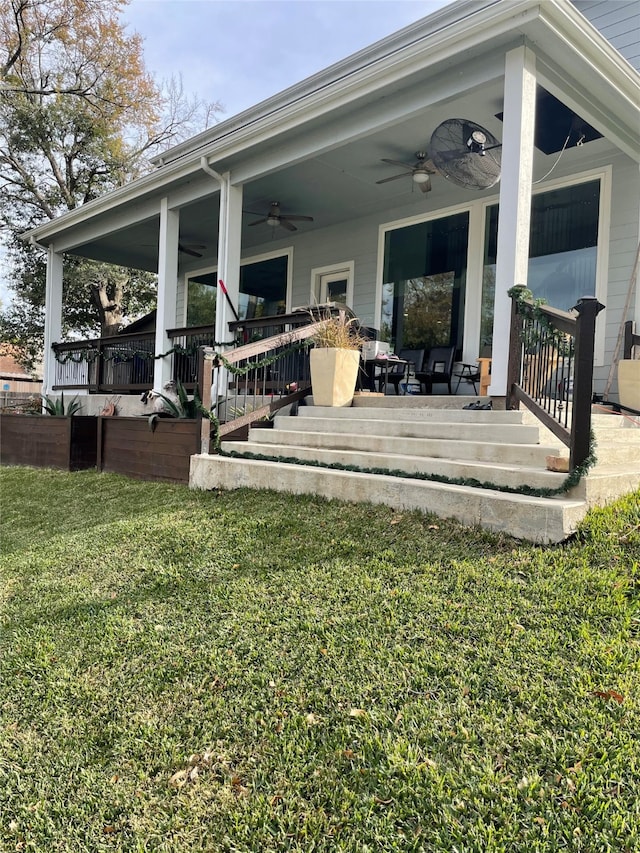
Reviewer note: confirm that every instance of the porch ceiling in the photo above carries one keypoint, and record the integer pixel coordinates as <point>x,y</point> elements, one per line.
<point>317,147</point>
<point>337,185</point>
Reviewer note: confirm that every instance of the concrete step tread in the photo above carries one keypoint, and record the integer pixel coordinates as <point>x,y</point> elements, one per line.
<point>507,497</point>
<point>425,414</point>
<point>513,476</point>
<point>399,428</point>
<point>317,434</point>
<point>260,447</point>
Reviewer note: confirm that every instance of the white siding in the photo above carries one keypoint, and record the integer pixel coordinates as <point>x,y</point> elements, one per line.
<point>623,244</point>
<point>618,21</point>
<point>357,241</point>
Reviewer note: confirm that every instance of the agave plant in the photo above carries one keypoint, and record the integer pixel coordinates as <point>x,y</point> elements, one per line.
<point>56,406</point>
<point>183,407</point>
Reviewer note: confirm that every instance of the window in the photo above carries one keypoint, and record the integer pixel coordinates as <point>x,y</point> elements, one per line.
<point>263,292</point>
<point>423,291</point>
<point>562,249</point>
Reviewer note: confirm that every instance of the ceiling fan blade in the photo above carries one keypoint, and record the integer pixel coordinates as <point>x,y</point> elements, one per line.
<point>254,212</point>
<point>398,163</point>
<point>288,225</point>
<point>189,251</point>
<point>258,221</point>
<point>297,218</point>
<point>395,178</point>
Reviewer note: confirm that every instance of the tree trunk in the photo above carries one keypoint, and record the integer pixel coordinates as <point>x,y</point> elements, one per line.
<point>108,296</point>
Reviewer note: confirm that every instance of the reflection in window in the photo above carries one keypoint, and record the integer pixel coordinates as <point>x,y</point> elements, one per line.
<point>263,292</point>
<point>424,283</point>
<point>562,249</point>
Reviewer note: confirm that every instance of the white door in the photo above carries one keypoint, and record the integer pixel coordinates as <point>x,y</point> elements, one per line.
<point>333,284</point>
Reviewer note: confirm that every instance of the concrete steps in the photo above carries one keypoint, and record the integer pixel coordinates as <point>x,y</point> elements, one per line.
<point>429,437</point>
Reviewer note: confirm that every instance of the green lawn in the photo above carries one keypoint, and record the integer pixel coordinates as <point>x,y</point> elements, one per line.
<point>254,672</point>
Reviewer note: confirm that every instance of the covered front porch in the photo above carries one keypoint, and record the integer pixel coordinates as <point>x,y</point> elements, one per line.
<point>320,194</point>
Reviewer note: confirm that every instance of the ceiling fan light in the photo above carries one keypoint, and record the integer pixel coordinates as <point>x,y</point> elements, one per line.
<point>273,220</point>
<point>421,177</point>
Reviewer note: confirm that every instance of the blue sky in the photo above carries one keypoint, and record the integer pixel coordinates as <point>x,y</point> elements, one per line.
<point>240,52</point>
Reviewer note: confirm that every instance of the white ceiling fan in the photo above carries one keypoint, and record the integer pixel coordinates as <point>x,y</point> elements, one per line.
<point>420,172</point>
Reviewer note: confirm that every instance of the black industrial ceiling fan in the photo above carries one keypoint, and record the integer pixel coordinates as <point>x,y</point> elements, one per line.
<point>461,151</point>
<point>275,217</point>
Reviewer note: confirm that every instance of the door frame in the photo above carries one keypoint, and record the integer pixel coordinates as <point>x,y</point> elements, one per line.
<point>321,276</point>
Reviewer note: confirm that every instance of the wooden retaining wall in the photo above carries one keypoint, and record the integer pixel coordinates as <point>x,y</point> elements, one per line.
<point>46,441</point>
<point>127,446</point>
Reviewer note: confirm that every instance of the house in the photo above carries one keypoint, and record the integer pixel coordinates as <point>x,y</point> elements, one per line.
<point>561,101</point>
<point>15,380</point>
<point>492,143</point>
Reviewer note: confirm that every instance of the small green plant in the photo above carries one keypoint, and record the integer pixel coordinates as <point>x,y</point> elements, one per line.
<point>182,407</point>
<point>56,406</point>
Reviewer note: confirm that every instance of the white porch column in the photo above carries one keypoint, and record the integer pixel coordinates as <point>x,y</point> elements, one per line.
<point>515,201</point>
<point>167,289</point>
<point>229,252</point>
<point>52,316</point>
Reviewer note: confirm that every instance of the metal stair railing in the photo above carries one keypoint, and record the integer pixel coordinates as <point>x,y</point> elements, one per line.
<point>551,368</point>
<point>252,382</point>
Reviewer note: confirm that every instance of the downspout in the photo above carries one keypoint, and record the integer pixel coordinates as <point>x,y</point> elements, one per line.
<point>34,242</point>
<point>225,182</point>
<point>204,165</point>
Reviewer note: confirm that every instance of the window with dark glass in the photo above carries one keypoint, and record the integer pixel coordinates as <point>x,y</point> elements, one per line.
<point>562,249</point>
<point>263,292</point>
<point>425,269</point>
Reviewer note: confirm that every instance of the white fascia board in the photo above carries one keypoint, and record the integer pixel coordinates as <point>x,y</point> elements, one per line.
<point>134,192</point>
<point>110,223</point>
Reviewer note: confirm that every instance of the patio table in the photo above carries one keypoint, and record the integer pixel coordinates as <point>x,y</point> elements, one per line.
<point>370,365</point>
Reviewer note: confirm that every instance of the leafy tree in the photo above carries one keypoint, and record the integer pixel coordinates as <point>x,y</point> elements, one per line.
<point>79,116</point>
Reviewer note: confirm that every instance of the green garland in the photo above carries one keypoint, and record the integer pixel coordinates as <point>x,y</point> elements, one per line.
<point>124,356</point>
<point>220,361</point>
<point>531,308</point>
<point>570,481</point>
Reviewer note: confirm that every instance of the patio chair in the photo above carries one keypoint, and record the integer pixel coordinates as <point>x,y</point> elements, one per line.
<point>437,369</point>
<point>398,372</point>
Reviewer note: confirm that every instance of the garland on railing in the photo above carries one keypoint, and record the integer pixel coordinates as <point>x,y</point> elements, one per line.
<point>220,361</point>
<point>124,355</point>
<point>88,356</point>
<point>572,479</point>
<point>546,333</point>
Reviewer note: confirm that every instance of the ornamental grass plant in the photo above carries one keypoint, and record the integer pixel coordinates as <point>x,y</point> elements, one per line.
<point>257,672</point>
<point>339,332</point>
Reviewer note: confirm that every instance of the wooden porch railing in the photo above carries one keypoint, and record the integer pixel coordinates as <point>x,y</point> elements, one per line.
<point>551,368</point>
<point>120,363</point>
<point>125,363</point>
